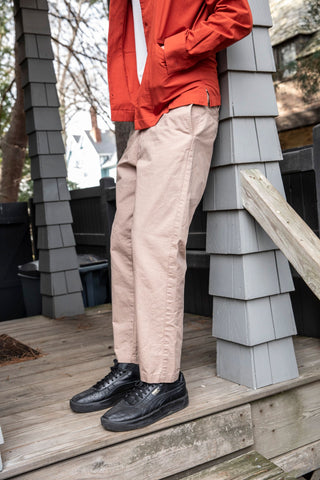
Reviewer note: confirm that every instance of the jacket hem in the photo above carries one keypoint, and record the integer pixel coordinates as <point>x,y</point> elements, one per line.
<point>122,116</point>
<point>147,121</point>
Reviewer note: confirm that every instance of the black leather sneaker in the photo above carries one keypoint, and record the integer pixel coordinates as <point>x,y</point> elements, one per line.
<point>145,404</point>
<point>108,391</point>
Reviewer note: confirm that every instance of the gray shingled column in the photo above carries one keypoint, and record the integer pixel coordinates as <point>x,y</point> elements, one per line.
<point>60,280</point>
<point>250,279</point>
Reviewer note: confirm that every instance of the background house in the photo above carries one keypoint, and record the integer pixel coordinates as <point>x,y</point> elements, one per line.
<point>91,155</point>
<point>295,38</point>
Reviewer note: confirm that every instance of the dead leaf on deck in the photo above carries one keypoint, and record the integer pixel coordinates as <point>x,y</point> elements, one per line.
<point>13,351</point>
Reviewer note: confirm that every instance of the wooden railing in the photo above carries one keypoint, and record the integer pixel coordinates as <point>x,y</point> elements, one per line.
<point>285,227</point>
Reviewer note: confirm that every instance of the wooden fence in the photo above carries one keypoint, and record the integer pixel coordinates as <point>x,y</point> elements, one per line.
<point>300,171</point>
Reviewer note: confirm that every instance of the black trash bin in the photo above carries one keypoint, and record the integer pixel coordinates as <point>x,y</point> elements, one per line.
<point>30,280</point>
<point>95,280</point>
<point>94,277</point>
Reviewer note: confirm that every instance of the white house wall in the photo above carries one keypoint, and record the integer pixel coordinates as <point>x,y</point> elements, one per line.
<point>84,164</point>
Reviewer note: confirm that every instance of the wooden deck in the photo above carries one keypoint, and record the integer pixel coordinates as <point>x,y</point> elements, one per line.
<point>45,440</point>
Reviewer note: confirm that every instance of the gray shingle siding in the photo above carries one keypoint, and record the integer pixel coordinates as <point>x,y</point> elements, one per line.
<point>250,279</point>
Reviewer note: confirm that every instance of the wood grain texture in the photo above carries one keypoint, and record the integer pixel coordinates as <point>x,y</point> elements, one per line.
<point>287,421</point>
<point>286,228</point>
<point>251,466</point>
<point>301,460</point>
<point>40,429</point>
<point>160,454</point>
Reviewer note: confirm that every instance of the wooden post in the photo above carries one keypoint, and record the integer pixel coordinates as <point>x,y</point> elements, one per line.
<point>250,279</point>
<point>59,275</point>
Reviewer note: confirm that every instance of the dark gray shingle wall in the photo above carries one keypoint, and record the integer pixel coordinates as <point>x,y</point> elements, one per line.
<point>59,275</point>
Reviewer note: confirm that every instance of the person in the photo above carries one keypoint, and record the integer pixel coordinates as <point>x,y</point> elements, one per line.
<point>162,72</point>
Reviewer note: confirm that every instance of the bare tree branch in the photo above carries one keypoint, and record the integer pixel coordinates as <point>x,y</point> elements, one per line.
<point>80,42</point>
<point>77,52</point>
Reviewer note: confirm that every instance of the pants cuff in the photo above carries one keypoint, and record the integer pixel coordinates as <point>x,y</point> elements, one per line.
<point>159,378</point>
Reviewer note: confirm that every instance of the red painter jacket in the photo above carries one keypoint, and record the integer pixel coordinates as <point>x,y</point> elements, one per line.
<point>185,70</point>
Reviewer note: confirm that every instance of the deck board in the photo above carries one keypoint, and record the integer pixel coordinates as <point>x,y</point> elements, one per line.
<point>38,426</point>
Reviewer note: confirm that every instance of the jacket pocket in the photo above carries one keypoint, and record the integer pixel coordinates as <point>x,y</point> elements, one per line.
<point>162,86</point>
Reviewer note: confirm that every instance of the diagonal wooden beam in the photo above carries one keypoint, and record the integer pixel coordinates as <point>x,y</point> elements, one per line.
<point>286,228</point>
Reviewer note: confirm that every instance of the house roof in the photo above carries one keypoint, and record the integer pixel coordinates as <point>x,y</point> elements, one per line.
<point>290,18</point>
<point>107,144</point>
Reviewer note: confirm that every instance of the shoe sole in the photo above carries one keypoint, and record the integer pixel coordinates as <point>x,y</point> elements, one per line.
<point>155,416</point>
<point>96,406</point>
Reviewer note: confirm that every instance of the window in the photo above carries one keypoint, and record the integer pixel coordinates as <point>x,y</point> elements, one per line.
<point>108,165</point>
<point>285,56</point>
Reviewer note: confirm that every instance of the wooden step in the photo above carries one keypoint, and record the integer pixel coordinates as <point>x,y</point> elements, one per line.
<point>148,455</point>
<point>251,466</point>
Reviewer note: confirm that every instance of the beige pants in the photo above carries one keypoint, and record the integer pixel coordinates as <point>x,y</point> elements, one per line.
<point>161,179</point>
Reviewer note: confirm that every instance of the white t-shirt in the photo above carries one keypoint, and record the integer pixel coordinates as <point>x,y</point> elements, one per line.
<point>140,39</point>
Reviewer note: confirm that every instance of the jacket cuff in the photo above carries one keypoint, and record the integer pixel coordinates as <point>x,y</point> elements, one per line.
<point>176,55</point>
